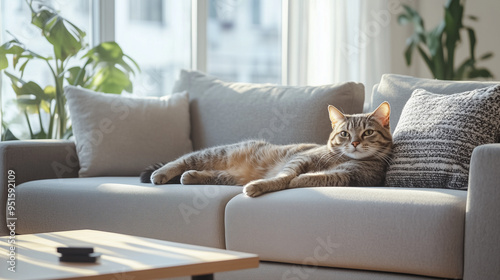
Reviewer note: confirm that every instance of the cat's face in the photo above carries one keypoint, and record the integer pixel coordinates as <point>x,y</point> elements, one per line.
<point>361,136</point>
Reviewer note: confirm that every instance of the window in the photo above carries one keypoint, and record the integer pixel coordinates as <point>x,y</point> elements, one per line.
<point>160,49</point>
<point>151,10</point>
<point>244,40</point>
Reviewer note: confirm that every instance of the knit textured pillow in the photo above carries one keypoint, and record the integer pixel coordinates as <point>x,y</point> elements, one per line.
<point>436,134</point>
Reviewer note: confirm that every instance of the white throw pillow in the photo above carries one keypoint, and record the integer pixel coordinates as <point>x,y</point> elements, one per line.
<point>120,136</point>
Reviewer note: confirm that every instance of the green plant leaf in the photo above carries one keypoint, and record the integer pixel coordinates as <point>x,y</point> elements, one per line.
<point>110,80</point>
<point>427,60</point>
<point>480,73</point>
<point>40,135</point>
<point>473,18</point>
<point>434,39</point>
<point>416,19</point>
<point>28,103</point>
<point>45,106</point>
<point>111,72</point>
<point>23,66</point>
<point>105,52</point>
<point>411,43</point>
<point>18,52</point>
<point>27,100</point>
<point>49,93</point>
<point>408,53</point>
<point>8,135</point>
<point>12,47</point>
<point>23,88</point>
<point>65,37</point>
<point>403,19</point>
<point>453,17</point>
<point>461,71</point>
<point>451,27</point>
<point>76,76</point>
<point>31,88</point>
<point>472,42</point>
<point>486,56</point>
<point>134,62</point>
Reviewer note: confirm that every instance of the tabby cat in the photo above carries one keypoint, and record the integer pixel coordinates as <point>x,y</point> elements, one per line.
<point>357,154</point>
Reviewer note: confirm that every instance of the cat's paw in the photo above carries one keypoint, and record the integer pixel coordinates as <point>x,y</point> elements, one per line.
<point>159,177</point>
<point>191,177</point>
<point>254,189</point>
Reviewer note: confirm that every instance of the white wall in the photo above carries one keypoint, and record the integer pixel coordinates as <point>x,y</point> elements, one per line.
<point>487,35</point>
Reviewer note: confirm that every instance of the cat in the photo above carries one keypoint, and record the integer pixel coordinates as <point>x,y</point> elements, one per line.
<point>357,153</point>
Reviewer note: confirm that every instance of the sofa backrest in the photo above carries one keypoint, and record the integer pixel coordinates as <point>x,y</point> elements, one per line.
<point>225,112</point>
<point>397,89</point>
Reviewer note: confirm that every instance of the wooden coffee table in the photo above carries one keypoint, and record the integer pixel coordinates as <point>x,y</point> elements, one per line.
<point>123,257</point>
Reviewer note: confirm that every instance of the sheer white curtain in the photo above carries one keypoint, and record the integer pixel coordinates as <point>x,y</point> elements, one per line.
<point>335,41</point>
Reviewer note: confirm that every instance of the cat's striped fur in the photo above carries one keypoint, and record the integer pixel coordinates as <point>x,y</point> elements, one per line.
<point>357,154</point>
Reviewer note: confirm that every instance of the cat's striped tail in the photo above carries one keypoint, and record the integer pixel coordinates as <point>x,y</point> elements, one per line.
<point>146,173</point>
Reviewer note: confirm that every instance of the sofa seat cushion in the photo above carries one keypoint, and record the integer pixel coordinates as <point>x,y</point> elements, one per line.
<point>413,231</point>
<point>188,214</point>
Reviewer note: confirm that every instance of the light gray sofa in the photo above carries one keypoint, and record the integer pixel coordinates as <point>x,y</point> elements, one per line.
<point>309,233</point>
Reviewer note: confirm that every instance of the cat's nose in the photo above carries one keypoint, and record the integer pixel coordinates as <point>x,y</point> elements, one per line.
<point>355,144</point>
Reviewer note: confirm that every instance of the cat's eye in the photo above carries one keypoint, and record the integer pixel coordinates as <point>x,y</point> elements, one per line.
<point>368,132</point>
<point>344,133</point>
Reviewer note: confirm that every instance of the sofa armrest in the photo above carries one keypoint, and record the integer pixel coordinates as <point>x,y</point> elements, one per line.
<point>23,161</point>
<point>482,218</point>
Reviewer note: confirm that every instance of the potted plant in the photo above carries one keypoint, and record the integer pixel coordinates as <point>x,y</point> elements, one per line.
<point>437,46</point>
<point>104,68</point>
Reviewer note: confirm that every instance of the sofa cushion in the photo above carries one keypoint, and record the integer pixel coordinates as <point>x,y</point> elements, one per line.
<point>188,214</point>
<point>120,136</point>
<point>414,231</point>
<point>436,134</point>
<point>397,89</point>
<point>224,112</point>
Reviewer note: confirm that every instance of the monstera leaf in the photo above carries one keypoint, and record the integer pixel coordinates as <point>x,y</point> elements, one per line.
<point>19,53</point>
<point>111,69</point>
<point>65,37</point>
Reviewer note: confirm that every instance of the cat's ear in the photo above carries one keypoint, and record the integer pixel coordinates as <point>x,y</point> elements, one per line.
<point>382,113</point>
<point>335,115</point>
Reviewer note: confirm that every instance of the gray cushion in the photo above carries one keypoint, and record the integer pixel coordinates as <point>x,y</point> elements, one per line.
<point>120,136</point>
<point>436,134</point>
<point>414,231</point>
<point>397,89</point>
<point>186,214</point>
<point>224,112</point>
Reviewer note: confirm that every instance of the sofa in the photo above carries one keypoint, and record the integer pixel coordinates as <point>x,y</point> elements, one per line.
<point>305,233</point>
